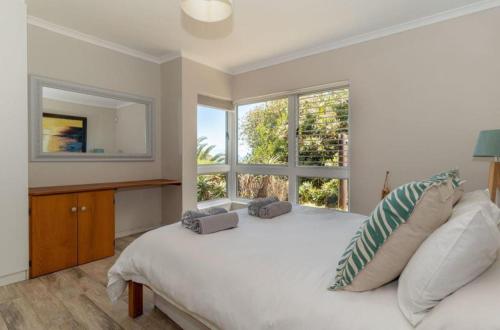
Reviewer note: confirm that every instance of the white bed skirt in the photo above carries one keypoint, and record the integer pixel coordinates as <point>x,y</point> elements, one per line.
<point>182,318</point>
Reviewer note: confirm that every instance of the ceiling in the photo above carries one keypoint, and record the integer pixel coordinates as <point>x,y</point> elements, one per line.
<point>260,33</point>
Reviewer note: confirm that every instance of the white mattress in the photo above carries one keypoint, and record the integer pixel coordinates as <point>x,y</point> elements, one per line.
<point>274,274</point>
<point>264,274</point>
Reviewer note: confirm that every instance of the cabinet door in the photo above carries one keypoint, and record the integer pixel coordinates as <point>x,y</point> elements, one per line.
<point>96,225</point>
<point>53,233</point>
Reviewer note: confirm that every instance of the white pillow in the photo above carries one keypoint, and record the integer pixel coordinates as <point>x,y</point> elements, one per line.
<point>479,197</point>
<point>452,256</point>
<point>474,306</point>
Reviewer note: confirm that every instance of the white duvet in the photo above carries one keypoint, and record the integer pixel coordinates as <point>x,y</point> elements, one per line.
<point>265,274</point>
<point>274,274</point>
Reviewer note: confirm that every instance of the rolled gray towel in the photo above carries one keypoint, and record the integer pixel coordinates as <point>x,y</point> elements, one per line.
<point>189,216</point>
<point>255,205</point>
<point>214,223</point>
<point>274,209</point>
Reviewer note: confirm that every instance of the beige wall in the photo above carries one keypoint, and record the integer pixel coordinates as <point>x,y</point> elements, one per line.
<point>60,57</point>
<point>131,129</point>
<point>171,122</point>
<point>418,100</point>
<point>196,79</point>
<point>182,81</point>
<point>14,143</point>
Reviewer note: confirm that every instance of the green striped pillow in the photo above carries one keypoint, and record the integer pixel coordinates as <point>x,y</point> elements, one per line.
<point>456,181</point>
<point>397,208</point>
<point>453,174</point>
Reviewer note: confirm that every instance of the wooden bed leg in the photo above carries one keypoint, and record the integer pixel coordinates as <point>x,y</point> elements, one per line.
<point>134,299</point>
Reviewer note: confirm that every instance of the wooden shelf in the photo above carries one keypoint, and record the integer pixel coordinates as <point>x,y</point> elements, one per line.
<point>53,190</point>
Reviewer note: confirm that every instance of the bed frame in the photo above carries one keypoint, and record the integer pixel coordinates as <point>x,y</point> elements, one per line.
<point>135,301</point>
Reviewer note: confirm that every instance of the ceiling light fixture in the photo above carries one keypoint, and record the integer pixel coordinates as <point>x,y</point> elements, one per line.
<point>208,10</point>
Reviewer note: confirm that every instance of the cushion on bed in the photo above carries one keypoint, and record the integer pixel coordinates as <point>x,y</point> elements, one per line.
<point>456,181</point>
<point>455,254</point>
<point>471,199</point>
<point>385,242</point>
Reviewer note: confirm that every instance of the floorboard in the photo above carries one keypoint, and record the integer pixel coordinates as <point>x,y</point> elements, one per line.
<point>75,298</point>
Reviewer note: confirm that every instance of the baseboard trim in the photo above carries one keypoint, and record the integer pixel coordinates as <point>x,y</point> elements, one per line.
<point>133,231</point>
<point>14,277</point>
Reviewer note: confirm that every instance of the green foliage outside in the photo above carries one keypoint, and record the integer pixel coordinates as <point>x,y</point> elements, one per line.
<point>255,186</point>
<point>204,153</point>
<point>322,131</point>
<point>319,192</point>
<point>211,186</point>
<point>265,131</point>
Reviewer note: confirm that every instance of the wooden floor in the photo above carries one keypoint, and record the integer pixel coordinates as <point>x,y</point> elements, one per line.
<point>75,298</point>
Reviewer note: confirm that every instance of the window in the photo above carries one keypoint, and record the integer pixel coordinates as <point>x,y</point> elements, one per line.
<point>211,186</point>
<point>212,154</point>
<point>295,147</point>
<point>253,186</point>
<point>263,132</point>
<point>323,192</point>
<point>323,128</point>
<point>212,136</point>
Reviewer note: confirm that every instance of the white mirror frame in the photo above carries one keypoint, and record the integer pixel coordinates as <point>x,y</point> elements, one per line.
<point>35,117</point>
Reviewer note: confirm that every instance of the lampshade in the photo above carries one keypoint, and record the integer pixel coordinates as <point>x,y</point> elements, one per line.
<point>488,144</point>
<point>208,10</point>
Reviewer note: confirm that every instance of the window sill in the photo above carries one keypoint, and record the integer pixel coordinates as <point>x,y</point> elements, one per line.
<point>217,202</point>
<point>226,203</point>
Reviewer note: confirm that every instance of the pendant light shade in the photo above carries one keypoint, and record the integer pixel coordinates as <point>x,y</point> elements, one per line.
<point>208,10</point>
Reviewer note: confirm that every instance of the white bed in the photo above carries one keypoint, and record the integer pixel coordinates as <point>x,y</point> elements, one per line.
<point>274,274</point>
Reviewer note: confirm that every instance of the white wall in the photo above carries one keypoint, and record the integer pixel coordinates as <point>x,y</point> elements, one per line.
<point>14,143</point>
<point>418,100</point>
<point>56,56</point>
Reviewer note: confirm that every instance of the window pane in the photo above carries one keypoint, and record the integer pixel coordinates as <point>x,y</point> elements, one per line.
<point>211,148</point>
<point>324,192</point>
<point>323,128</point>
<point>253,186</point>
<point>212,186</point>
<point>263,132</point>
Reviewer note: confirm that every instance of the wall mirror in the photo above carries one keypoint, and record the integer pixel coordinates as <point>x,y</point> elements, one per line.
<point>71,122</point>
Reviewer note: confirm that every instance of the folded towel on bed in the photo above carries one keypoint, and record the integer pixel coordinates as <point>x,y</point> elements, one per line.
<point>255,205</point>
<point>189,216</point>
<point>214,223</point>
<point>274,209</point>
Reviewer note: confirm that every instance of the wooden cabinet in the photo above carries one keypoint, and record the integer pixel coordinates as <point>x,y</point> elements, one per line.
<point>53,233</point>
<point>96,225</point>
<point>75,224</point>
<point>70,229</point>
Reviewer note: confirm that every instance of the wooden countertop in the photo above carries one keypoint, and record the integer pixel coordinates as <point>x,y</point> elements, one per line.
<point>53,190</point>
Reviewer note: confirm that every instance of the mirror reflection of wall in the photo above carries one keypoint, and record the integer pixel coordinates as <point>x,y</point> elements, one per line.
<point>84,123</point>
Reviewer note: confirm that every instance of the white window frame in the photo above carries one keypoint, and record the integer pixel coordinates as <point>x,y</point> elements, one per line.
<point>292,170</point>
<point>207,169</point>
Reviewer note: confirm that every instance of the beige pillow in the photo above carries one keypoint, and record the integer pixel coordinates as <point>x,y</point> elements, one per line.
<point>385,243</point>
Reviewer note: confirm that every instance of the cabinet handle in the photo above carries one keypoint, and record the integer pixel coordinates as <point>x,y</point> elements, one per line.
<point>83,208</point>
<point>73,209</point>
